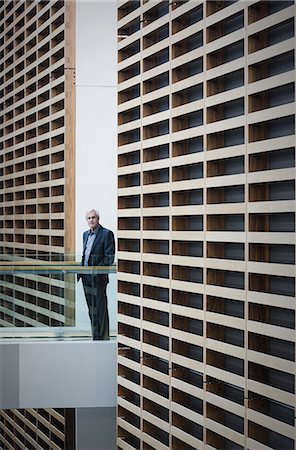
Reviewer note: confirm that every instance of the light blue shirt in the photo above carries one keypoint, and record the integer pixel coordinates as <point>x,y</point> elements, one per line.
<point>89,244</point>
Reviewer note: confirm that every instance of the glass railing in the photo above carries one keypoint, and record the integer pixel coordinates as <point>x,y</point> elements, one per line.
<point>55,297</point>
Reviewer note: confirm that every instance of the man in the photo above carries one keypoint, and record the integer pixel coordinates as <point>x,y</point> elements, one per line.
<point>98,250</point>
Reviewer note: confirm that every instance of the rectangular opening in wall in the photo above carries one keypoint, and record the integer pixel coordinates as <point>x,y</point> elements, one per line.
<point>129,288</point>
<point>274,191</point>
<point>188,95</point>
<point>129,201</point>
<point>188,299</point>
<point>127,8</point>
<point>129,115</point>
<point>156,410</point>
<point>129,180</point>
<point>272,377</point>
<point>128,29</point>
<point>188,223</point>
<point>57,241</point>
<point>155,316</point>
<point>129,266</point>
<point>129,438</point>
<point>271,408</point>
<point>156,176</point>
<point>129,331</point>
<point>158,434</point>
<point>156,36</point>
<point>43,240</point>
<point>226,278</point>
<point>225,110</point>
<point>226,26</point>
<point>132,376</point>
<point>129,50</point>
<point>156,270</point>
<point>191,17</point>
<point>216,440</point>
<point>272,66</point>
<point>272,284</point>
<point>156,129</point>
<point>157,82</point>
<point>156,246</point>
<point>227,306</point>
<point>129,417</point>
<point>265,8</point>
<point>156,293</point>
<point>129,72</point>
<point>190,197</point>
<point>271,346</point>
<point>188,172</point>
<point>188,146</point>
<point>227,166</point>
<point>225,54</point>
<point>156,59</point>
<point>187,375</point>
<point>129,137</point>
<point>160,341</point>
<point>273,253</point>
<point>213,7</point>
<point>155,13</point>
<point>129,94</point>
<point>188,401</point>
<point>188,44</point>
<point>228,335</point>
<point>128,159</point>
<point>187,350</point>
<point>190,274</point>
<point>227,138</point>
<point>129,310</point>
<point>268,437</point>
<point>275,159</point>
<point>272,222</point>
<point>129,223</point>
<point>188,248</point>
<point>189,120</point>
<point>128,353</point>
<point>270,98</point>
<point>57,190</point>
<point>226,194</point>
<point>271,36</point>
<point>57,207</point>
<point>155,153</point>
<point>226,250</point>
<point>225,362</point>
<point>57,140</point>
<point>188,325</point>
<point>187,70</point>
<point>271,129</point>
<point>156,106</point>
<point>43,208</point>
<point>226,418</point>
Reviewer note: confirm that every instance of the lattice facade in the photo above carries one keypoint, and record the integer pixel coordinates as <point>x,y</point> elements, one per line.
<point>206,226</point>
<point>37,173</point>
<point>36,185</point>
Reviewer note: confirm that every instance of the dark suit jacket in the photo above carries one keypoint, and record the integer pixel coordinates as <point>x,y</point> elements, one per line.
<point>103,249</point>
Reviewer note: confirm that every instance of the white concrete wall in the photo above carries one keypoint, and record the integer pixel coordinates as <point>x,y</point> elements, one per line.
<point>96,428</point>
<point>67,374</point>
<point>96,125</point>
<point>96,112</point>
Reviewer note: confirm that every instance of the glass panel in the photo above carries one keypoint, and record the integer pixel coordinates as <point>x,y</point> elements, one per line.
<point>45,297</point>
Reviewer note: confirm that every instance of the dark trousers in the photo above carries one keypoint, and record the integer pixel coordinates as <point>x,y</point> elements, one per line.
<point>96,297</point>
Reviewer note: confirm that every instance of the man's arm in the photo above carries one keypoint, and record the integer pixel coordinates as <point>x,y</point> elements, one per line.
<point>82,255</point>
<point>109,249</point>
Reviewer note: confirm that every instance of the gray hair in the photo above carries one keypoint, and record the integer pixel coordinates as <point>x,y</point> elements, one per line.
<point>93,210</point>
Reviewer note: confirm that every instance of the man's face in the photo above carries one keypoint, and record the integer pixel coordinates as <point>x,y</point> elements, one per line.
<point>92,220</point>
